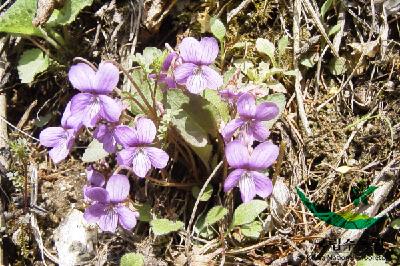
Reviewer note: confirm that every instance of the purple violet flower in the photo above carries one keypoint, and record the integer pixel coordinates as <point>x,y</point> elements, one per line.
<point>94,179</point>
<point>61,139</point>
<point>230,94</point>
<point>106,134</point>
<point>108,210</point>
<point>250,119</point>
<point>247,175</point>
<point>92,103</point>
<point>137,152</point>
<point>164,76</point>
<point>194,72</point>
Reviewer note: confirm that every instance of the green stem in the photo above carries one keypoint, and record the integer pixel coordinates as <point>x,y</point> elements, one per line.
<point>222,55</point>
<point>50,40</point>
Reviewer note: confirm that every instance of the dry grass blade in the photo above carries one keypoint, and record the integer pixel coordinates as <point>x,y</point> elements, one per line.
<point>319,25</point>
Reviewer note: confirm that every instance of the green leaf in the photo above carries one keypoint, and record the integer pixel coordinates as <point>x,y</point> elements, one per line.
<point>335,29</point>
<point>283,44</point>
<point>200,228</point>
<point>132,259</point>
<point>252,230</point>
<point>195,118</point>
<point>268,73</point>
<point>32,62</point>
<point>41,121</point>
<point>94,152</point>
<point>395,224</point>
<point>216,214</point>
<point>372,261</point>
<point>337,66</point>
<point>310,60</point>
<point>325,8</point>
<point>145,86</point>
<point>217,28</point>
<point>289,73</point>
<point>18,19</point>
<point>219,108</point>
<point>229,74</point>
<point>243,64</point>
<point>206,195</point>
<point>246,212</point>
<point>239,45</point>
<point>144,211</point>
<point>307,62</point>
<point>280,100</point>
<point>68,12</point>
<point>150,59</point>
<point>266,47</point>
<point>165,226</point>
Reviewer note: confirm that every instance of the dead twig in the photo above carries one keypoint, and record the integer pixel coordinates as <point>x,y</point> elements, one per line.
<point>297,85</point>
<point>236,11</point>
<point>188,229</point>
<point>319,25</point>
<point>3,136</point>
<point>26,114</point>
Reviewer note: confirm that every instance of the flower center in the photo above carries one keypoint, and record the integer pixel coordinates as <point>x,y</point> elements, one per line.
<point>246,180</point>
<point>197,70</point>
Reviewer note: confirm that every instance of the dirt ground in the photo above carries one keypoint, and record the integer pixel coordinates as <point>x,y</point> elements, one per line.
<point>339,133</point>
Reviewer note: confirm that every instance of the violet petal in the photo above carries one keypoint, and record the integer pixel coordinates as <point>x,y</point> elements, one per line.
<point>190,50</point>
<point>183,72</point>
<point>94,177</point>
<point>246,105</point>
<point>232,179</point>
<point>81,77</point>
<point>111,109</point>
<point>98,194</point>
<point>264,155</point>
<point>126,136</point>
<point>52,136</point>
<point>262,183</point>
<point>118,188</point>
<point>94,212</point>
<point>209,50</point>
<point>158,157</point>
<point>127,218</point>
<point>106,78</point>
<point>259,131</point>
<point>230,128</point>
<point>247,187</point>
<point>267,111</point>
<point>125,157</point>
<point>213,78</point>
<point>108,222</point>
<point>87,105</point>
<point>145,131</point>
<point>237,154</point>
<point>141,164</point>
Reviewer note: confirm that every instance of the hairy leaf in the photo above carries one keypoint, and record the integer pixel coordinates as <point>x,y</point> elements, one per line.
<point>18,19</point>
<point>264,46</point>
<point>68,12</point>
<point>31,63</point>
<point>216,214</point>
<point>132,259</point>
<point>217,28</point>
<point>165,226</point>
<point>252,230</point>
<point>94,152</point>
<point>246,212</point>
<point>206,195</point>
